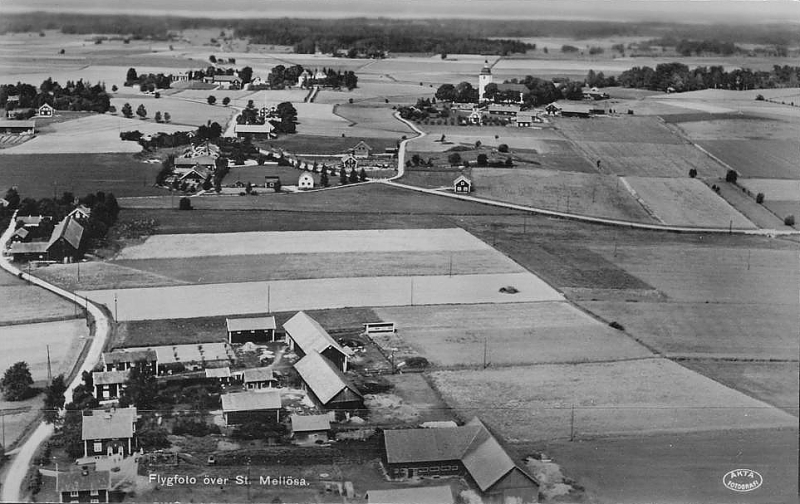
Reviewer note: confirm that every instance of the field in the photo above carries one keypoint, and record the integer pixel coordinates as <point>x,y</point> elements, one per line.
<point>24,303</point>
<point>511,334</point>
<point>103,275</point>
<point>617,398</point>
<point>775,383</point>
<point>376,89</point>
<point>758,214</point>
<point>181,111</point>
<point>773,189</point>
<point>304,242</point>
<point>757,158</point>
<point>29,343</point>
<point>578,193</point>
<point>365,199</point>
<point>686,202</point>
<point>714,330</point>
<point>542,140</point>
<point>638,146</point>
<point>287,295</point>
<point>43,175</point>
<point>325,145</point>
<point>91,135</point>
<point>377,118</point>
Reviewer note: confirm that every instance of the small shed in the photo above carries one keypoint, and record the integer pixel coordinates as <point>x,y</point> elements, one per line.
<point>222,375</point>
<point>252,329</point>
<point>258,378</point>
<point>308,429</point>
<point>272,182</point>
<point>462,185</point>
<point>306,181</point>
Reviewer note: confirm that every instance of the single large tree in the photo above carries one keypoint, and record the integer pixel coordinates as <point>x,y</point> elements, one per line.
<point>131,77</point>
<point>141,111</point>
<point>127,111</point>
<point>211,99</point>
<point>17,381</point>
<point>54,398</point>
<point>141,389</point>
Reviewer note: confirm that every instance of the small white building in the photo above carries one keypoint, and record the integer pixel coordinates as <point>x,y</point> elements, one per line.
<point>462,185</point>
<point>46,110</point>
<point>306,181</point>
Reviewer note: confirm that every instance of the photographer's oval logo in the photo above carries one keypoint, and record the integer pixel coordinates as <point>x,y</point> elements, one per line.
<point>742,480</point>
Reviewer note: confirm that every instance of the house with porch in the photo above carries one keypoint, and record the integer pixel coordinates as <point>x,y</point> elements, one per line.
<point>472,451</point>
<point>122,360</point>
<point>305,335</point>
<point>109,432</point>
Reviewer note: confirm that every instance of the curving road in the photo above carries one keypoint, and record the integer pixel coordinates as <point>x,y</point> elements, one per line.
<point>15,473</point>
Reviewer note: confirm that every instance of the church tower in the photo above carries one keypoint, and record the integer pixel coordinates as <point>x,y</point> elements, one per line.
<point>484,79</point>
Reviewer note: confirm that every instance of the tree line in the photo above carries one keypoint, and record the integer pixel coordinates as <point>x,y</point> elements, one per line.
<point>678,77</point>
<point>74,95</point>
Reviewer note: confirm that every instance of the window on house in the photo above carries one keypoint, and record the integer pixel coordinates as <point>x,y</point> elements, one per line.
<point>95,492</point>
<point>422,470</point>
<point>73,493</point>
<point>98,446</point>
<point>434,469</point>
<point>95,501</point>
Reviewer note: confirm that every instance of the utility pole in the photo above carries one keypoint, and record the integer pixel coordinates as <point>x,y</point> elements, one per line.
<point>451,264</point>
<point>268,300</point>
<point>748,259</point>
<point>49,368</point>
<point>116,315</point>
<point>572,424</point>
<point>485,353</point>
<point>412,291</point>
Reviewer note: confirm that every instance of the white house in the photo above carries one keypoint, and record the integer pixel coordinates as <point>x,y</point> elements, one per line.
<point>462,185</point>
<point>46,111</point>
<point>306,181</point>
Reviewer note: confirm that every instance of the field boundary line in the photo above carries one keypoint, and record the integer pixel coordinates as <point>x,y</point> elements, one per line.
<point>15,472</point>
<point>594,220</point>
<point>639,200</point>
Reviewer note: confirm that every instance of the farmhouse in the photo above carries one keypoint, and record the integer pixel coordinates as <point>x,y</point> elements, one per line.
<point>17,127</point>
<point>256,130</point>
<point>305,335</point>
<point>80,212</point>
<point>362,150</point>
<point>242,407</point>
<point>471,450</point>
<point>253,329</point>
<point>46,110</point>
<point>526,120</point>
<point>462,185</point>
<point>226,81</point>
<point>179,77</point>
<point>108,385</point>
<point>188,163</point>
<point>111,432</point>
<point>83,486</point>
<point>502,110</point>
<point>308,429</point>
<point>306,181</point>
<point>327,385</point>
<point>350,161</point>
<point>258,378</point>
<point>419,495</point>
<point>121,360</point>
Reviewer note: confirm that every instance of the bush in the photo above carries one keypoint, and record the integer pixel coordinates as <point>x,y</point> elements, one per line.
<point>417,362</point>
<point>502,148</point>
<point>759,97</point>
<point>731,176</point>
<point>616,325</point>
<point>190,427</point>
<point>789,220</point>
<point>692,173</point>
<point>185,204</point>
<point>760,198</point>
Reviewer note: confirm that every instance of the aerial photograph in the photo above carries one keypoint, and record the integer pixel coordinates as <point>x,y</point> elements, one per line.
<point>400,251</point>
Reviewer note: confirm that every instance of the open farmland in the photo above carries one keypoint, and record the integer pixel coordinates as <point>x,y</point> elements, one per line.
<point>298,242</point>
<point>614,398</point>
<point>263,267</point>
<point>287,295</point>
<point>773,189</point>
<point>379,119</point>
<point>91,135</point>
<point>181,111</point>
<point>365,199</point>
<point>40,175</point>
<point>545,139</point>
<point>325,145</point>
<point>775,383</point>
<point>686,202</point>
<point>511,334</point>
<point>23,303</point>
<point>637,146</point>
<point>714,274</point>
<point>758,214</point>
<point>376,90</point>
<point>578,193</point>
<point>757,158</point>
<point>29,342</point>
<point>103,275</point>
<point>714,330</point>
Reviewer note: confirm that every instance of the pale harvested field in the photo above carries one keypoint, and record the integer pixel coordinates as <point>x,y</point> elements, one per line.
<point>686,202</point>
<point>773,189</point>
<point>300,242</point>
<point>785,208</point>
<point>515,138</point>
<point>104,275</point>
<point>93,134</point>
<point>740,128</point>
<point>252,268</point>
<point>700,106</point>
<point>289,295</point>
<point>28,342</point>
<point>375,118</point>
<point>320,119</point>
<point>637,397</point>
<point>713,274</point>
<point>758,214</point>
<point>768,159</point>
<point>182,112</point>
<point>23,303</point>
<point>520,333</point>
<point>376,88</point>
<point>628,129</point>
<point>713,330</point>
<point>580,193</point>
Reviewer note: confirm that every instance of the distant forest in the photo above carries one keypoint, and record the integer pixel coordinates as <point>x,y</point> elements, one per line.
<point>418,35</point>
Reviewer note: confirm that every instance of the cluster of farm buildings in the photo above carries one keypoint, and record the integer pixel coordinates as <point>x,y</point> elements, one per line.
<point>472,452</point>
<point>37,238</point>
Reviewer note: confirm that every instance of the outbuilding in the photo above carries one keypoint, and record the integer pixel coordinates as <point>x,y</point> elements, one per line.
<point>46,110</point>
<point>253,329</point>
<point>258,378</point>
<point>305,335</point>
<point>327,386</point>
<point>462,185</point>
<point>309,429</point>
<point>306,181</point>
<point>242,407</point>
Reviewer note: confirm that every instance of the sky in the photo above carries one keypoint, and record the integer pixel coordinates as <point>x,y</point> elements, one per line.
<point>689,11</point>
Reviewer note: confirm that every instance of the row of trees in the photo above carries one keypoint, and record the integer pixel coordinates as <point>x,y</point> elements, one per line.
<point>147,82</point>
<point>74,95</point>
<point>281,76</point>
<point>680,78</point>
